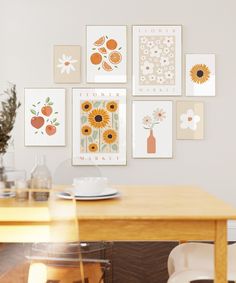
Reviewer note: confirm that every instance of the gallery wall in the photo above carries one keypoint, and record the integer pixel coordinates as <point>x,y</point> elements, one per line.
<point>29,30</point>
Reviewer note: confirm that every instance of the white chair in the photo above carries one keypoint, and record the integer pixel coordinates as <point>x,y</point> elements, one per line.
<point>195,261</point>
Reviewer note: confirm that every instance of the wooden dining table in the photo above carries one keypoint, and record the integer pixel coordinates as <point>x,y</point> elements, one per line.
<point>141,213</point>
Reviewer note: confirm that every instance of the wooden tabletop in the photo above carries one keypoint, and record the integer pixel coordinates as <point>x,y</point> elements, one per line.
<point>136,202</point>
<point>158,202</point>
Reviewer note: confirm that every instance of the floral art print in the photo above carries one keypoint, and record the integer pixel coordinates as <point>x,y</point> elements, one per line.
<point>99,126</point>
<point>156,60</point>
<point>190,120</point>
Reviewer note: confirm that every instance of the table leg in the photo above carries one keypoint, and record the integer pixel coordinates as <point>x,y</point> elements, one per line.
<point>221,252</point>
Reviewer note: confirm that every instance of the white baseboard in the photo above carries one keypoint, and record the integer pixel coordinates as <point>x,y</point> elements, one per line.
<point>231,230</point>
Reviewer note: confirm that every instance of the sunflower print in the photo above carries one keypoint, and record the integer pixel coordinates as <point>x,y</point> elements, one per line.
<point>109,136</point>
<point>98,118</point>
<point>93,147</point>
<point>112,106</point>
<point>86,106</point>
<point>200,73</point>
<point>86,130</point>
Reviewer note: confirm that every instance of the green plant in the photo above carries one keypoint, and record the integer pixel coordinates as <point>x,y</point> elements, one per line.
<point>8,108</point>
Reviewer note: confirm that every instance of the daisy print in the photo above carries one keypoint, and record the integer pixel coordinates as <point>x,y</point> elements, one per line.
<point>160,45</point>
<point>150,44</point>
<point>147,68</point>
<point>143,39</point>
<point>190,117</point>
<point>168,41</point>
<point>189,120</point>
<point>157,60</point>
<point>66,64</point>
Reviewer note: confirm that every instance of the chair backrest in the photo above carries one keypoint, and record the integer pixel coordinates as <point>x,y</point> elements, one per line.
<point>197,256</point>
<point>191,256</point>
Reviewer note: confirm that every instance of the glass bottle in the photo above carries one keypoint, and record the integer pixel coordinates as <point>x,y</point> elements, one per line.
<point>40,179</point>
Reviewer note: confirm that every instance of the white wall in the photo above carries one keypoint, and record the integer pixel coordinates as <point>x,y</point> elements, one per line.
<point>30,28</point>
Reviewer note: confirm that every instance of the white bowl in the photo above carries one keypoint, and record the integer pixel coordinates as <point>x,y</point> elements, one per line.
<point>89,186</point>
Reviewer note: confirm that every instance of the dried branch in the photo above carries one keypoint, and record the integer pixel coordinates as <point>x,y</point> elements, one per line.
<point>8,110</point>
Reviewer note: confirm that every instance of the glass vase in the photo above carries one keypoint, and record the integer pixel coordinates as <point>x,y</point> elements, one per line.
<point>40,179</point>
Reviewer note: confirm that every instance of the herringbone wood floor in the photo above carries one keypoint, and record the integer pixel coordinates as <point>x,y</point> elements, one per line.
<point>132,262</point>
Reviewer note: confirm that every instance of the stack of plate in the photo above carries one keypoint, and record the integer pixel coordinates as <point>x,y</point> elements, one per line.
<point>7,195</point>
<point>108,193</point>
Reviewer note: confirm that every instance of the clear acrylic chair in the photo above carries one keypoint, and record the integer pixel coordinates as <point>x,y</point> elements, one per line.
<point>195,261</point>
<point>62,259</point>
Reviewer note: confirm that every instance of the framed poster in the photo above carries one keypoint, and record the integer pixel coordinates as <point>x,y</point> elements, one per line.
<point>106,54</point>
<point>200,75</point>
<point>152,129</point>
<point>67,64</point>
<point>190,120</point>
<point>157,60</point>
<point>45,117</point>
<point>99,126</point>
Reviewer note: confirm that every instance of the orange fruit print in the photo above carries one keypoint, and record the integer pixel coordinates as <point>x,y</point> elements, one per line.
<point>106,67</point>
<point>100,41</point>
<point>102,50</point>
<point>96,58</point>
<point>111,44</point>
<point>106,52</point>
<point>115,57</point>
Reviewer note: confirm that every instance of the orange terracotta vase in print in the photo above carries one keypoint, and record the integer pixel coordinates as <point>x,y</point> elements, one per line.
<point>151,143</point>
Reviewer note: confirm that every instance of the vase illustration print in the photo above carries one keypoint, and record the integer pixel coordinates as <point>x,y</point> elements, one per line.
<point>151,143</point>
<point>149,123</point>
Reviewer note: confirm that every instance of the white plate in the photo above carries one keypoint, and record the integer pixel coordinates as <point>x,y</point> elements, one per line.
<point>106,192</point>
<point>7,195</point>
<point>65,195</point>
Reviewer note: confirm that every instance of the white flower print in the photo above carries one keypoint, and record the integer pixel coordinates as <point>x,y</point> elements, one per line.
<point>159,71</point>
<point>157,59</point>
<point>66,64</point>
<point>147,68</point>
<point>155,52</point>
<point>168,41</point>
<point>164,61</point>
<point>147,121</point>
<point>160,80</point>
<point>166,50</point>
<point>189,120</point>
<point>152,77</point>
<point>169,75</point>
<point>159,115</point>
<point>150,44</point>
<point>143,39</point>
<point>142,78</point>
